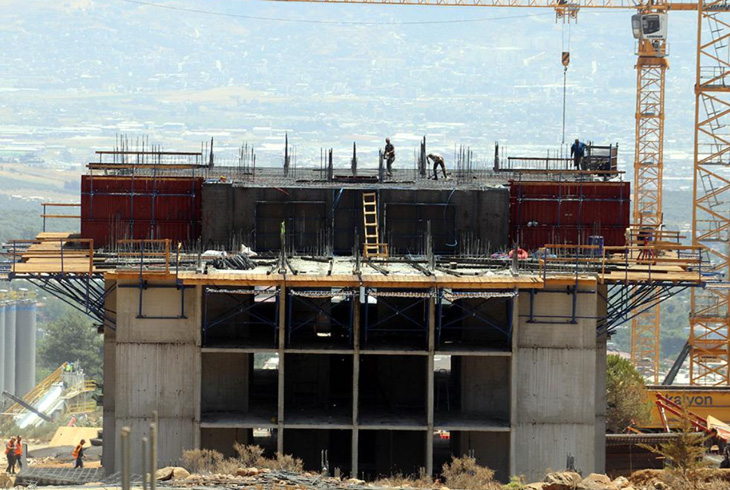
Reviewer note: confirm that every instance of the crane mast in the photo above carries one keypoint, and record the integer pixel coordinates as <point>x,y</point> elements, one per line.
<point>709,321</point>
<point>651,67</point>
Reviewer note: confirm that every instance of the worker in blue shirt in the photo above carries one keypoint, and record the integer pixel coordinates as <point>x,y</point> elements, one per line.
<point>577,151</point>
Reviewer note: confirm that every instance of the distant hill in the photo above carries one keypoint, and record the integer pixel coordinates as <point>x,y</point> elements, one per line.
<point>75,73</point>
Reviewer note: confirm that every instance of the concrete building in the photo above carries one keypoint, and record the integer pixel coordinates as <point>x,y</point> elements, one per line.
<point>374,364</point>
<point>375,375</point>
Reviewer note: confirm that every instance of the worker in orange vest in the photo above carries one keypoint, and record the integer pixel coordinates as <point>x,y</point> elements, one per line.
<point>78,454</point>
<point>10,454</point>
<point>18,453</point>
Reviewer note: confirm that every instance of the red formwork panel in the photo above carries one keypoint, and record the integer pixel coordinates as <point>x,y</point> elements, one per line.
<point>115,208</point>
<point>568,212</point>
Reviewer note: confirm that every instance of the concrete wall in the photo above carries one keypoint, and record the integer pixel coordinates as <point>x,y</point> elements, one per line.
<point>485,387</point>
<point>225,382</point>
<point>233,214</point>
<point>156,367</point>
<point>554,384</point>
<point>491,449</point>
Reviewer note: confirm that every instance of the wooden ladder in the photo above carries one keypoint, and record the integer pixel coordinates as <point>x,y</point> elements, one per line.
<point>372,246</point>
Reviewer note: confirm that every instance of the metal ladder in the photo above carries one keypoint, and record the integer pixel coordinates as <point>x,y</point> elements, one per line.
<point>372,246</point>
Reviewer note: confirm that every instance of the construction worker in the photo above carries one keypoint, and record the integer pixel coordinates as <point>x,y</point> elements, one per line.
<point>389,155</point>
<point>577,151</point>
<point>78,454</point>
<point>644,238</point>
<point>18,453</point>
<point>10,454</point>
<point>437,160</point>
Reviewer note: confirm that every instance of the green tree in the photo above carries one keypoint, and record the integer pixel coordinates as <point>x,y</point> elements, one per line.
<point>626,396</point>
<point>72,338</point>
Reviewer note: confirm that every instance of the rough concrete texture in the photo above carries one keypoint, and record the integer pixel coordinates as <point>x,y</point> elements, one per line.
<point>555,410</point>
<point>156,367</point>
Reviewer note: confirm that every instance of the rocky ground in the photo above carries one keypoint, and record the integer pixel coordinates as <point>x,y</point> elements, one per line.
<point>178,478</point>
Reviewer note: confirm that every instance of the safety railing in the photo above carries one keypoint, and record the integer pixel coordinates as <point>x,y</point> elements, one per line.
<point>65,255</point>
<point>146,256</point>
<point>47,205</point>
<point>648,260</point>
<point>638,234</point>
<point>81,407</point>
<point>34,395</point>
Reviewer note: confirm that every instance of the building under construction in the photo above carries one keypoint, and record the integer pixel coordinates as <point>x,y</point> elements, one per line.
<point>359,322</point>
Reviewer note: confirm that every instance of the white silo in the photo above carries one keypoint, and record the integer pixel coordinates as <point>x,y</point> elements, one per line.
<point>9,347</point>
<point>25,343</point>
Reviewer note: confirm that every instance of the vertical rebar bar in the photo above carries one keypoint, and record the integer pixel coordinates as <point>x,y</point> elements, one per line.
<point>153,451</point>
<point>126,457</point>
<point>144,463</point>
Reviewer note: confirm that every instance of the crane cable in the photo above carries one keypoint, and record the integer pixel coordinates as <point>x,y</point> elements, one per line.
<point>566,62</point>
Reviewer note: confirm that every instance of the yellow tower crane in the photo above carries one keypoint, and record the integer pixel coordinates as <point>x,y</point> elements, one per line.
<point>650,29</point>
<point>709,342</point>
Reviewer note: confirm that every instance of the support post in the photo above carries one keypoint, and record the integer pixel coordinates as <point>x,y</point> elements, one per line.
<point>430,380</point>
<point>355,383</point>
<point>282,344</point>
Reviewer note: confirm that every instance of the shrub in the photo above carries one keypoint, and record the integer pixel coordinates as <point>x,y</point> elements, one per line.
<point>515,483</point>
<point>202,460</point>
<point>285,462</point>
<point>465,473</point>
<point>684,454</point>
<point>209,461</point>
<point>401,480</point>
<point>249,455</point>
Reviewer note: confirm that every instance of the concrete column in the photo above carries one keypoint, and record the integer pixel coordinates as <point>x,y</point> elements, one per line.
<point>513,380</point>
<point>355,453</point>
<point>198,381</point>
<point>555,375</point>
<point>25,347</point>
<point>9,350</point>
<point>109,379</point>
<point>430,380</point>
<point>156,364</point>
<point>282,345</point>
<point>601,309</point>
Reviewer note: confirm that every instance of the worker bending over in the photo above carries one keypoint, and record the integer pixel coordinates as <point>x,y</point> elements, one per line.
<point>437,160</point>
<point>577,151</point>
<point>389,155</point>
